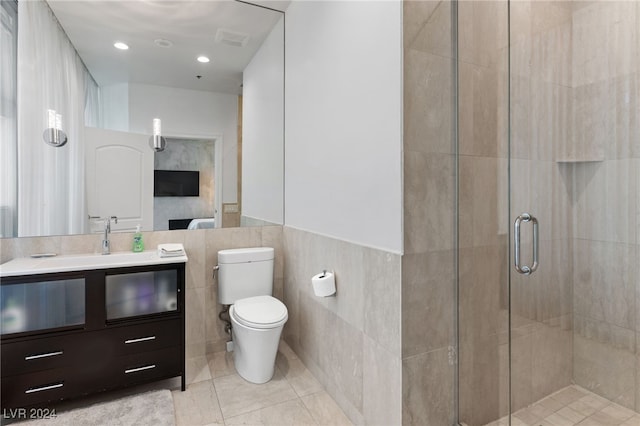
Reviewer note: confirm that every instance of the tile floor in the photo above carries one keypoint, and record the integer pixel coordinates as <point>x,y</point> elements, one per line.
<point>219,396</point>
<point>572,406</point>
<point>293,397</point>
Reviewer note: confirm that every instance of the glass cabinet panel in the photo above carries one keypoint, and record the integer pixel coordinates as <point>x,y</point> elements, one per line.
<point>42,305</point>
<point>141,293</point>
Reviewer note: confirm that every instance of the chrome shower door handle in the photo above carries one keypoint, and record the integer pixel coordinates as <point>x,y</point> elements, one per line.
<point>524,269</point>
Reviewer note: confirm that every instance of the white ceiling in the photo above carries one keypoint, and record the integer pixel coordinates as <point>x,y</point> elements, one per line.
<point>93,27</point>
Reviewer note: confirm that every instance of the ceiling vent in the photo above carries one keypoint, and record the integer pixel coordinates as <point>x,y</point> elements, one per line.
<point>232,38</point>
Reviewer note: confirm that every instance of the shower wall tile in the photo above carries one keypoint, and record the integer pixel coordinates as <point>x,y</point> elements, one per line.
<point>521,114</point>
<point>541,188</point>
<point>428,389</point>
<point>637,372</point>
<point>546,296</point>
<point>483,272</point>
<point>427,27</point>
<point>541,125</point>
<point>592,127</point>
<point>342,339</point>
<point>607,201</point>
<point>605,281</point>
<point>550,122</point>
<point>606,369</point>
<point>428,297</point>
<point>428,81</point>
<point>482,32</point>
<point>604,34</point>
<point>552,356</point>
<point>480,129</point>
<point>551,43</point>
<point>521,371</point>
<point>483,393</point>
<point>483,196</point>
<point>619,105</point>
<point>429,199</point>
<point>428,263</point>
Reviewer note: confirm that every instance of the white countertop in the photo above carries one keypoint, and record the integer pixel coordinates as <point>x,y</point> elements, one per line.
<point>84,262</point>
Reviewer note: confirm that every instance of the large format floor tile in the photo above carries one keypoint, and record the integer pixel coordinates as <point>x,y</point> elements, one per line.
<point>292,398</point>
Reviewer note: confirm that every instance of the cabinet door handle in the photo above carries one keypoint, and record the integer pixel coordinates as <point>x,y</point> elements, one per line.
<point>135,370</point>
<point>30,357</point>
<point>141,339</point>
<point>44,388</point>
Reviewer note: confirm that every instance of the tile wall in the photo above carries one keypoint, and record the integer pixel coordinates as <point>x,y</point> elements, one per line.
<point>429,260</point>
<point>606,200</point>
<point>350,342</point>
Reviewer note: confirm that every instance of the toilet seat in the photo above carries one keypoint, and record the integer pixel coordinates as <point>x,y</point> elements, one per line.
<point>260,312</point>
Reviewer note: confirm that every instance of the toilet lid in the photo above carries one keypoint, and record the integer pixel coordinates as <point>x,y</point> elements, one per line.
<point>260,312</point>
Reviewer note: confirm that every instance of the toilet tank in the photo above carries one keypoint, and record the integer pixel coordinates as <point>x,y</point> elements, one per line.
<point>244,272</point>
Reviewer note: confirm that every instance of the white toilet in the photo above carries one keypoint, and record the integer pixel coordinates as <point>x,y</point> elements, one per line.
<point>245,281</point>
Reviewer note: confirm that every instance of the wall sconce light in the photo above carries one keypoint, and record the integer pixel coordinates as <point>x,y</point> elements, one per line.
<point>53,134</point>
<point>157,142</point>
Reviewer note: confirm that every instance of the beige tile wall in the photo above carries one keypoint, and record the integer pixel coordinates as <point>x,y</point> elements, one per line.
<point>204,332</point>
<point>606,199</point>
<point>350,342</point>
<point>428,263</point>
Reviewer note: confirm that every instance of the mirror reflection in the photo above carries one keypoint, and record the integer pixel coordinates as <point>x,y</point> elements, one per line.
<point>205,78</point>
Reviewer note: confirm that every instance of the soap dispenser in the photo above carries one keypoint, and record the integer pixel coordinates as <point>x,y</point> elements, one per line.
<point>138,244</point>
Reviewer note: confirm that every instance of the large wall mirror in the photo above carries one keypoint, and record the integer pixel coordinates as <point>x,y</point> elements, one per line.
<point>205,77</point>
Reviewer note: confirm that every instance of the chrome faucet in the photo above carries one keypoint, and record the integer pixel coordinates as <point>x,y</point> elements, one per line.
<point>106,244</point>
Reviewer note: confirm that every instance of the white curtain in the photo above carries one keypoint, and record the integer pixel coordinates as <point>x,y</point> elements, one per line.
<point>8,137</point>
<point>51,75</point>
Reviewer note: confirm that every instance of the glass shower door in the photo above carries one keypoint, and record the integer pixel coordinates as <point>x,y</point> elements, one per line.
<point>548,133</point>
<point>574,148</point>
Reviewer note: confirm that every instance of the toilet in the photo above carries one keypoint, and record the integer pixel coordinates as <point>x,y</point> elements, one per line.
<point>245,281</point>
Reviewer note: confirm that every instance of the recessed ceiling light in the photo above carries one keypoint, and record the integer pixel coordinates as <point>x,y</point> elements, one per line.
<point>203,59</point>
<point>162,42</point>
<point>120,45</point>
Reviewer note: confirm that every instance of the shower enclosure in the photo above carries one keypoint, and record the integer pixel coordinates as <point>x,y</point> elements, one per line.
<point>548,168</point>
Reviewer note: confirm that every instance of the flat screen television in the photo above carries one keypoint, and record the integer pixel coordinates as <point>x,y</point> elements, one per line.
<point>176,183</point>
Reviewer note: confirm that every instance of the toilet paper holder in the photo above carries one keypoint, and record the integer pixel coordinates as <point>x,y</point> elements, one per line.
<point>324,284</point>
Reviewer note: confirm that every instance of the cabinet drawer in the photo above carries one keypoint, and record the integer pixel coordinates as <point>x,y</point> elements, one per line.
<point>143,367</point>
<point>39,354</point>
<point>35,388</point>
<point>146,337</point>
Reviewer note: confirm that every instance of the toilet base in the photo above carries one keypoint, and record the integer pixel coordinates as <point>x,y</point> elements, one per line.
<point>254,351</point>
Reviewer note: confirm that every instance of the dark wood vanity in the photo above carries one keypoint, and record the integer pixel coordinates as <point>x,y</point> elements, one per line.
<point>68,334</point>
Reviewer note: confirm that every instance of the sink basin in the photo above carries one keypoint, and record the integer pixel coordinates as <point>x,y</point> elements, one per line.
<point>83,262</point>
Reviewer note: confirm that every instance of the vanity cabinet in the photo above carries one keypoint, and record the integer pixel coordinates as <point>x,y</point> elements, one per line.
<point>75,333</point>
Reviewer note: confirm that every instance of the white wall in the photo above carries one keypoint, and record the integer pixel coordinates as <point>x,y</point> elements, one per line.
<point>263,132</point>
<point>115,107</point>
<point>343,130</point>
<point>190,113</point>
